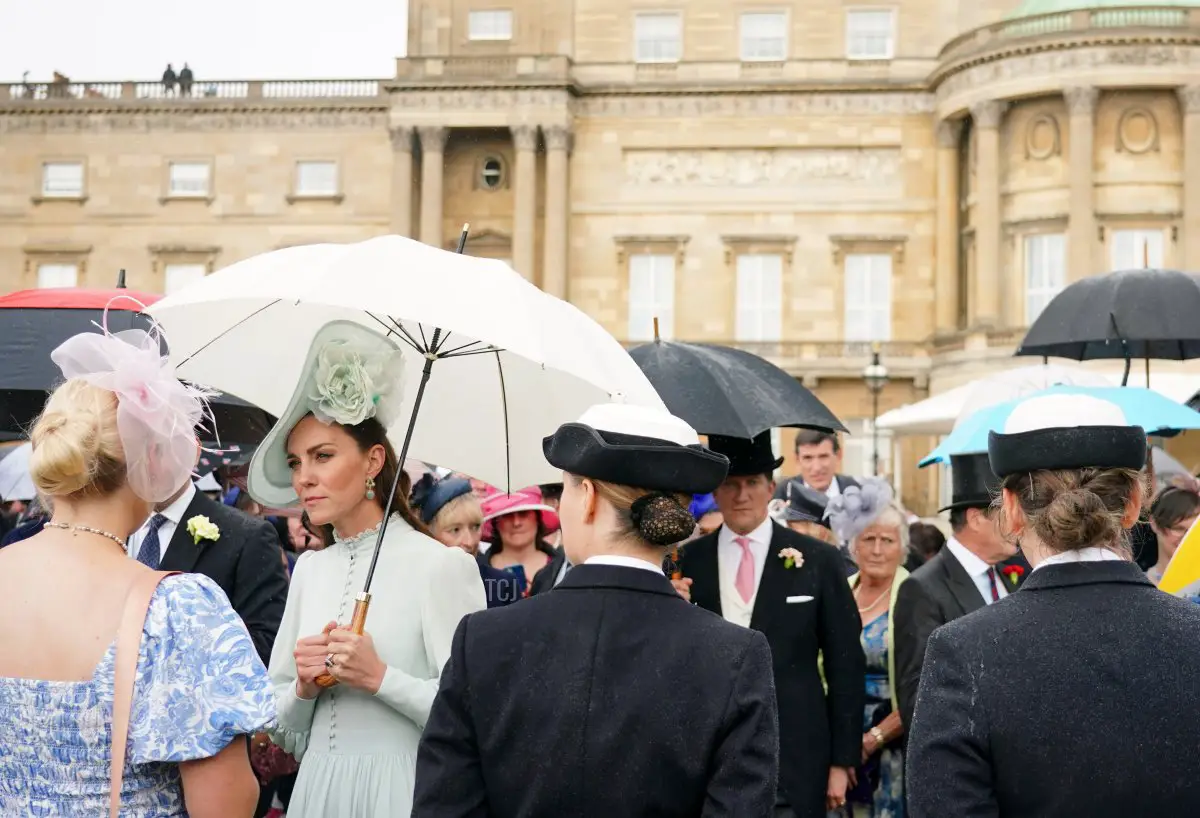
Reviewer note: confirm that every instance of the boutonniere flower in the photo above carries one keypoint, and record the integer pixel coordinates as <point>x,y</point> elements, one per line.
<point>202,528</point>
<point>1014,573</point>
<point>791,558</point>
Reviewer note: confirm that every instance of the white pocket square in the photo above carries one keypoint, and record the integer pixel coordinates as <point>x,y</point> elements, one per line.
<point>794,599</point>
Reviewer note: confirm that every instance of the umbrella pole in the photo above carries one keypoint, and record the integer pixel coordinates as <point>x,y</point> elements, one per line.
<point>362,602</point>
<point>1147,372</point>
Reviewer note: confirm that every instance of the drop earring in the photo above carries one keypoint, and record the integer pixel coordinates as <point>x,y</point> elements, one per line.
<point>370,488</point>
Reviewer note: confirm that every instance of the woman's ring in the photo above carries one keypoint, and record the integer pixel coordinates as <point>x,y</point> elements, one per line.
<point>329,661</point>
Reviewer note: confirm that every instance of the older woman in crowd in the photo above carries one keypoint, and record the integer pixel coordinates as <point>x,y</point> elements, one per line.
<point>451,510</point>
<point>876,527</point>
<point>1173,512</point>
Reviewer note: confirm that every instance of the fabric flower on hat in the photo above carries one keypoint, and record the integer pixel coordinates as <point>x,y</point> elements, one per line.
<point>351,384</point>
<point>857,507</point>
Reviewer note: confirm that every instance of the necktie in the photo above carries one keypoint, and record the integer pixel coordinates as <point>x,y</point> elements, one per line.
<point>745,570</point>
<point>150,553</point>
<point>992,583</point>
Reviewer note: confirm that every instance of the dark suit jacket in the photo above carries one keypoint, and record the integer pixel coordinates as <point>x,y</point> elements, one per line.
<point>938,592</point>
<point>816,730</point>
<point>543,580</point>
<point>609,698</point>
<point>244,560</point>
<point>1074,697</point>
<point>844,481</point>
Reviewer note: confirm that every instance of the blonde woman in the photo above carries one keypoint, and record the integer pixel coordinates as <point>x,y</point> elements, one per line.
<point>876,527</point>
<point>112,441</point>
<point>580,675</point>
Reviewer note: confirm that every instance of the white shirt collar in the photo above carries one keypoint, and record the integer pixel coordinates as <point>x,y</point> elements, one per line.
<point>834,490</point>
<point>1089,554</point>
<point>178,508</point>
<point>973,565</point>
<point>624,562</point>
<point>759,536</point>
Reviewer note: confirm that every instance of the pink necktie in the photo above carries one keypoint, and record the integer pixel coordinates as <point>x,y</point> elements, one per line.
<point>745,572</point>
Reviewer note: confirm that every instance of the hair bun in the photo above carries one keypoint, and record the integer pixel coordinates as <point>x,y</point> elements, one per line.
<point>661,520</point>
<point>1077,518</point>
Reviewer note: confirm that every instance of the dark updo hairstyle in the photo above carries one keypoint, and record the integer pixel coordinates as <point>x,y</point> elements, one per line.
<point>1173,505</point>
<point>645,516</point>
<point>1075,508</point>
<point>368,434</point>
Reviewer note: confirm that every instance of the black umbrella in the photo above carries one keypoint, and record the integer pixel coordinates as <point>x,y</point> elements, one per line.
<point>1122,315</point>
<point>726,391</point>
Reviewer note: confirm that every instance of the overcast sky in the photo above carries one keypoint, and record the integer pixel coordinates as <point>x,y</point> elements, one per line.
<point>221,39</point>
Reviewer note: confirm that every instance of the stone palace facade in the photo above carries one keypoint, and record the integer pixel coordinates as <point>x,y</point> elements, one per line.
<point>805,179</point>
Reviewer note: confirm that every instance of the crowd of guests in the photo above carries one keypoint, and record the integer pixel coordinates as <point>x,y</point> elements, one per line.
<point>822,667</point>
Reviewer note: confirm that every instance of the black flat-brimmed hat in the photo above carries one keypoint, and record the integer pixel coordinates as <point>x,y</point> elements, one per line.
<point>973,483</point>
<point>636,446</point>
<point>1051,432</point>
<point>806,505</point>
<point>747,457</point>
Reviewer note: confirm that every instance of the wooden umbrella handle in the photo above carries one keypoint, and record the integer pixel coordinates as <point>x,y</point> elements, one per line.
<point>676,574</point>
<point>358,623</point>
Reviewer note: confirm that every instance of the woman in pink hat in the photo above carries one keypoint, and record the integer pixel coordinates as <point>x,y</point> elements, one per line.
<point>517,525</point>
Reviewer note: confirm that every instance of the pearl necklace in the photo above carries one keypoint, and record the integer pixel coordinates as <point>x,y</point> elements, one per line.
<point>877,599</point>
<point>87,530</point>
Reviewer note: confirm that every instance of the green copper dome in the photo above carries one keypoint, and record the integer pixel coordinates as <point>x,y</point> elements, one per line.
<point>1032,7</point>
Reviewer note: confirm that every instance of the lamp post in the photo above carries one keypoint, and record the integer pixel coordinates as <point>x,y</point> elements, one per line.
<point>875,375</point>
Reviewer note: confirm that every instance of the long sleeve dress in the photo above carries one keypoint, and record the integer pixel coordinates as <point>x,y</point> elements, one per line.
<point>358,752</point>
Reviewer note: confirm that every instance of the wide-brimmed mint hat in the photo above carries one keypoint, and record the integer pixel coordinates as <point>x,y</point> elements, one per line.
<point>351,374</point>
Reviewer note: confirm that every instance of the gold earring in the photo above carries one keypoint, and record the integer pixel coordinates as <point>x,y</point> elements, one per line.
<point>370,488</point>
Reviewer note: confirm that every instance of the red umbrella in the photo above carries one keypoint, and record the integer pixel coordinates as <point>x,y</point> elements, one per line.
<point>75,298</point>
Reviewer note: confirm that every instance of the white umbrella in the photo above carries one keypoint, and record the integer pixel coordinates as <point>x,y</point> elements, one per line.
<point>1012,384</point>
<point>507,363</point>
<point>15,481</point>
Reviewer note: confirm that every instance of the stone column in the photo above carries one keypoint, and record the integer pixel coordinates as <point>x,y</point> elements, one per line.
<point>554,262</point>
<point>985,312</point>
<point>946,281</point>
<point>1189,100</point>
<point>1081,235</point>
<point>433,159</point>
<point>525,139</point>
<point>402,180</point>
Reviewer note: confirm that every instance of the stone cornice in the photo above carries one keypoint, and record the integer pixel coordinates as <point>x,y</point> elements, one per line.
<point>63,119</point>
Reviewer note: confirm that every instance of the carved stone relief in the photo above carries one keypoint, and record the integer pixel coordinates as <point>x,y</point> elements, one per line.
<point>753,168</point>
<point>1137,131</point>
<point>1042,138</point>
<point>809,103</point>
<point>35,122</point>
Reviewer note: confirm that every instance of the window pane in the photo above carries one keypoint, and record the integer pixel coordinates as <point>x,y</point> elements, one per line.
<point>869,34</point>
<point>1045,271</point>
<point>316,179</point>
<point>651,295</point>
<point>57,275</point>
<point>657,37</point>
<point>178,276</point>
<point>868,297</point>
<point>493,24</point>
<point>764,36</point>
<point>759,293</point>
<point>1136,249</point>
<point>62,179</point>
<point>189,179</point>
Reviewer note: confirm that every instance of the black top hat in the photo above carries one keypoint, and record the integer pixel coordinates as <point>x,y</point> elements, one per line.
<point>747,457</point>
<point>973,482</point>
<point>636,446</point>
<point>806,504</point>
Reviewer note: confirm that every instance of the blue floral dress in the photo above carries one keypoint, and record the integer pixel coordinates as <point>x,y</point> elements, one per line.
<point>199,685</point>
<point>885,770</point>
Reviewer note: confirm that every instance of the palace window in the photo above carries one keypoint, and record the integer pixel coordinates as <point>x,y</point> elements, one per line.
<point>1045,272</point>
<point>658,37</point>
<point>868,297</point>
<point>764,36</point>
<point>491,24</point>
<point>651,295</point>
<point>759,297</point>
<point>859,448</point>
<point>57,275</point>
<point>178,276</point>
<point>62,180</point>
<point>1136,249</point>
<point>316,178</point>
<point>870,34</point>
<point>188,179</point>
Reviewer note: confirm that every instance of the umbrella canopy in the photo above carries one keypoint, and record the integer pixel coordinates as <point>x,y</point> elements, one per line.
<point>725,391</point>
<point>15,481</point>
<point>1142,407</point>
<point>1126,314</point>
<point>507,364</point>
<point>1012,384</point>
<point>34,322</point>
